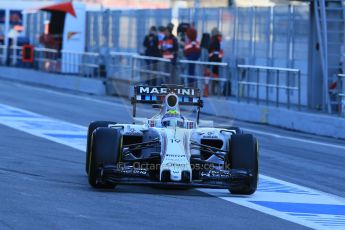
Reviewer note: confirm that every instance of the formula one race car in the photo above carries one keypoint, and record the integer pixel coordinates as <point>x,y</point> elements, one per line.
<point>169,149</point>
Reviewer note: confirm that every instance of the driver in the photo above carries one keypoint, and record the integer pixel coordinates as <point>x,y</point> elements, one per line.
<point>172,118</point>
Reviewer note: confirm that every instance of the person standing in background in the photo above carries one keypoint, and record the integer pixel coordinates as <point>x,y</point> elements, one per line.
<point>192,52</point>
<point>169,51</point>
<point>161,35</point>
<point>151,44</point>
<point>215,54</point>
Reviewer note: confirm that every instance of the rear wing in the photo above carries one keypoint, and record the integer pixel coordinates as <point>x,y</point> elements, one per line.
<point>156,94</point>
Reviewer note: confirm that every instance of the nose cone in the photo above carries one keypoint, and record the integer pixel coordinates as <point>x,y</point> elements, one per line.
<point>175,158</point>
<point>176,174</point>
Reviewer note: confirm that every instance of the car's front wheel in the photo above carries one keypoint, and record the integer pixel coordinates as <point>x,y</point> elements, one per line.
<point>92,126</point>
<point>243,154</point>
<point>105,149</point>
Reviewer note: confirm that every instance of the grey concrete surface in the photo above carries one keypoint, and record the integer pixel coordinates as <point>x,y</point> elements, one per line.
<point>44,186</point>
<point>315,123</point>
<point>70,82</point>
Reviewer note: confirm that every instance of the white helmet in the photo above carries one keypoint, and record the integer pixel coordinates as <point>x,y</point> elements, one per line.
<point>171,112</point>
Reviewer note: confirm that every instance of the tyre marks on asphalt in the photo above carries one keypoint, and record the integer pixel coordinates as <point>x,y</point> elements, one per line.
<point>275,197</point>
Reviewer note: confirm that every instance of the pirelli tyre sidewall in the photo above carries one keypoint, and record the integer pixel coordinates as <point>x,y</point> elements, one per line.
<point>243,154</point>
<point>92,126</point>
<point>237,129</point>
<point>105,149</point>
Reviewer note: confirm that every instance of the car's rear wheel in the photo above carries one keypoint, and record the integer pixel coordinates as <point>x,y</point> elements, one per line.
<point>243,154</point>
<point>92,126</point>
<point>105,149</point>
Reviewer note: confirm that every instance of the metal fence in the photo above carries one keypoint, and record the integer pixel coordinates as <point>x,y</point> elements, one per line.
<point>150,70</point>
<point>15,55</point>
<point>204,77</point>
<point>50,60</point>
<point>85,64</point>
<point>47,60</point>
<point>252,84</point>
<point>259,84</point>
<point>120,65</point>
<point>155,71</point>
<point>269,85</point>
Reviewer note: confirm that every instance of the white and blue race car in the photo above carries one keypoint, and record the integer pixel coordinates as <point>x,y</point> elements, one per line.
<point>169,149</point>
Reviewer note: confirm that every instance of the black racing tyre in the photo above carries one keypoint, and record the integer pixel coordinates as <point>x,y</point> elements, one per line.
<point>244,155</point>
<point>105,149</point>
<point>92,126</point>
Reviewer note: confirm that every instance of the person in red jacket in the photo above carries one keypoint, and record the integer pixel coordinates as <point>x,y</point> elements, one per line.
<point>215,54</point>
<point>192,51</point>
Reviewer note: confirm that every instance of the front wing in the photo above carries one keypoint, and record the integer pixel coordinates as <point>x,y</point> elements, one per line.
<point>129,175</point>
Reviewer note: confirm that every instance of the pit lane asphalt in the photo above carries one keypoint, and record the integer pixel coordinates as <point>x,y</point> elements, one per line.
<point>43,184</point>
